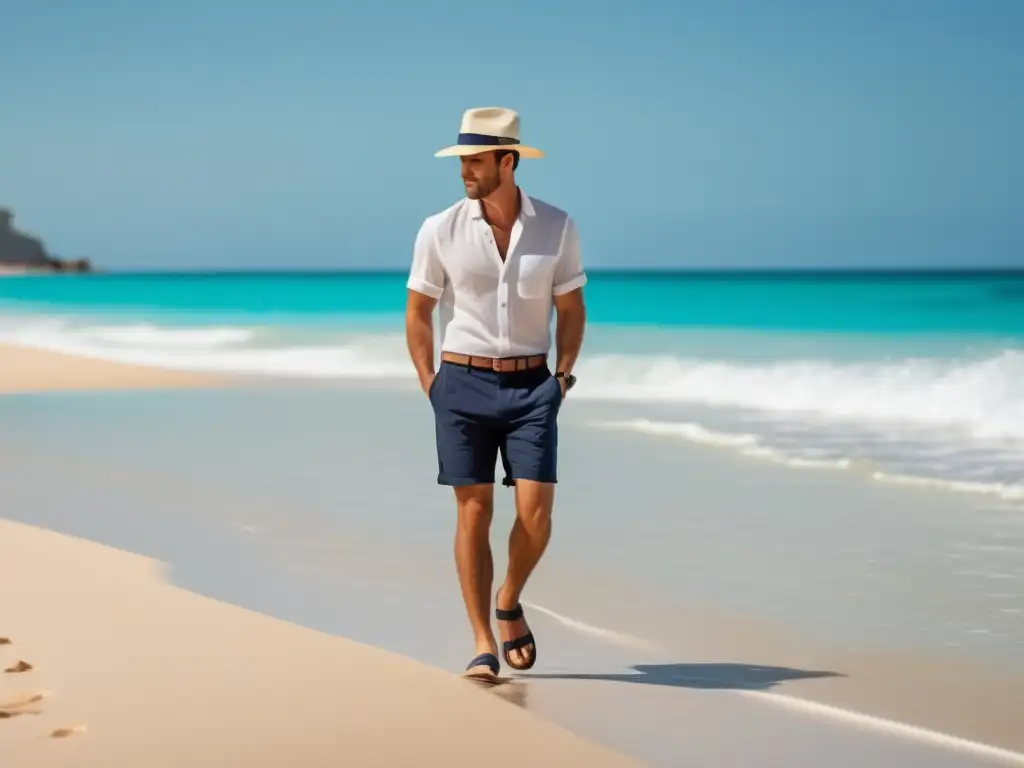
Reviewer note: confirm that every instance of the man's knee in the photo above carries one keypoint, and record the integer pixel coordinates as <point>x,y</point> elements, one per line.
<point>476,506</point>
<point>534,502</point>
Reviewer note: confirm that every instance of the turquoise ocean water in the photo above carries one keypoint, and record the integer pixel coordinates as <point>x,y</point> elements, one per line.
<point>909,377</point>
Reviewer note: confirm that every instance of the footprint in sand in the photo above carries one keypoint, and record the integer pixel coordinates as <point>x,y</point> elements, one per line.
<point>63,733</point>
<point>6,714</point>
<point>22,705</point>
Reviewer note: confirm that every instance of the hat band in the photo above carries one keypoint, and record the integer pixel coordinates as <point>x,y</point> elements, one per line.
<point>483,140</point>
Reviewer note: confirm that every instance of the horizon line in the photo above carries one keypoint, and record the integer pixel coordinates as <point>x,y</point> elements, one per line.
<point>604,270</point>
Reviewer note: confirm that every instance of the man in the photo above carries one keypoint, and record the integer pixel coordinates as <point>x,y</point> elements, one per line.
<point>497,264</point>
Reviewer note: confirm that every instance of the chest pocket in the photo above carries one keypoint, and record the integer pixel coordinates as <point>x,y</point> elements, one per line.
<point>536,275</point>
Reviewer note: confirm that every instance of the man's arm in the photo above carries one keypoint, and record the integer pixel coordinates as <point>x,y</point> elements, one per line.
<point>569,327</point>
<point>568,297</point>
<point>425,286</point>
<point>419,335</point>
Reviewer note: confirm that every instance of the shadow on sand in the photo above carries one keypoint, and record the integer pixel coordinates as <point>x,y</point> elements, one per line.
<point>742,677</point>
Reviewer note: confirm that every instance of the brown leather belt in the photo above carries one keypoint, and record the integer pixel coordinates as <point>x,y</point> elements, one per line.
<point>498,364</point>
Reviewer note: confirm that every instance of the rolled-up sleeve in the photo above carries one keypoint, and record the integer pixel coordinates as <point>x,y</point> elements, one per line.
<point>569,273</point>
<point>426,275</point>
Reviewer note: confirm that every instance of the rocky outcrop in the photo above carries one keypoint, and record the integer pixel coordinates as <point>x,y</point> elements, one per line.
<point>17,248</point>
<point>19,251</point>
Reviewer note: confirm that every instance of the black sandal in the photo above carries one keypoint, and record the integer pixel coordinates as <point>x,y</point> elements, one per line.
<point>488,660</point>
<point>520,642</point>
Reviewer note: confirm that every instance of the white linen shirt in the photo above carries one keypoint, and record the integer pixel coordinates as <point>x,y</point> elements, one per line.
<point>488,307</point>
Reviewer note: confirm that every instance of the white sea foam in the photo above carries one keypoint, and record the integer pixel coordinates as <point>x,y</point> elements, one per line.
<point>689,431</point>
<point>747,444</point>
<point>1006,491</point>
<point>981,397</point>
<point>228,349</point>
<point>144,336</point>
<point>753,446</point>
<point>801,462</point>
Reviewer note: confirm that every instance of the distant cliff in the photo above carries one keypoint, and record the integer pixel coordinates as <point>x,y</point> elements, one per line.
<point>19,251</point>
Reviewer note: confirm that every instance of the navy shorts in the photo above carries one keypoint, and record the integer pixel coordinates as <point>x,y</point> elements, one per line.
<point>480,414</point>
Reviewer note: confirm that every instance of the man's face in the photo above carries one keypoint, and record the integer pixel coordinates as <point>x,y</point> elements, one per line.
<point>480,174</point>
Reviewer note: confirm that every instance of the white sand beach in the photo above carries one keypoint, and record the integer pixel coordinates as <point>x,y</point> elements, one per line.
<point>122,669</point>
<point>23,369</point>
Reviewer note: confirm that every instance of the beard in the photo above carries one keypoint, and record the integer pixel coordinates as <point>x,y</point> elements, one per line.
<point>481,187</point>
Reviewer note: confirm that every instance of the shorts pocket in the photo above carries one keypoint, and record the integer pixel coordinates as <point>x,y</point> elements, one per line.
<point>432,389</point>
<point>557,394</point>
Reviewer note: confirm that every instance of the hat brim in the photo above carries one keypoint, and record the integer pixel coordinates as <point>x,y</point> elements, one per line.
<point>461,150</point>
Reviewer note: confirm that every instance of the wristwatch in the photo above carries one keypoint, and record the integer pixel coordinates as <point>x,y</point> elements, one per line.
<point>570,380</point>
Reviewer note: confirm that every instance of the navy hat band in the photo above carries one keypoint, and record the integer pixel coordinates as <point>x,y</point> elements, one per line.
<point>483,140</point>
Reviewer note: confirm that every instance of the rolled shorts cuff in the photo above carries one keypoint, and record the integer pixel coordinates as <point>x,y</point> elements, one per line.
<point>537,477</point>
<point>508,481</point>
<point>443,479</point>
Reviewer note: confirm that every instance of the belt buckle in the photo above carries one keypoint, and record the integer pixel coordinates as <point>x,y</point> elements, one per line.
<point>496,364</point>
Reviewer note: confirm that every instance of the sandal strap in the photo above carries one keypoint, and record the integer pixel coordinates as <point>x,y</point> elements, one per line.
<point>515,613</point>
<point>519,642</point>
<point>485,659</point>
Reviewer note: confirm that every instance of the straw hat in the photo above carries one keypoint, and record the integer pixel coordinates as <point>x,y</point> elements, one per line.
<point>485,129</point>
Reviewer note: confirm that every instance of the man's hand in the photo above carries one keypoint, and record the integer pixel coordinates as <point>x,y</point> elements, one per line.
<point>426,382</point>
<point>419,336</point>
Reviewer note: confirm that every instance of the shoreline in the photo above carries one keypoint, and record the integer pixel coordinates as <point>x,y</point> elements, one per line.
<point>17,270</point>
<point>40,272</point>
<point>27,370</point>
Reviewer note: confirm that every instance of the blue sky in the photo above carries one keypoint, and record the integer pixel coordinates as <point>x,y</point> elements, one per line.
<point>828,133</point>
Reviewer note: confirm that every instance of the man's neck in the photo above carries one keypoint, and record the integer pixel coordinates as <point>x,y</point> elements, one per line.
<point>501,207</point>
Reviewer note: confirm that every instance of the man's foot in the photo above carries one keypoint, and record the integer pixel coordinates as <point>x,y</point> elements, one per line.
<point>518,645</point>
<point>483,668</point>
<point>485,664</point>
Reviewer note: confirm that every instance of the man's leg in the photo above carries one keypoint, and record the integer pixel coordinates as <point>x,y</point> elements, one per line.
<point>530,456</point>
<point>474,561</point>
<point>467,448</point>
<point>526,544</point>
